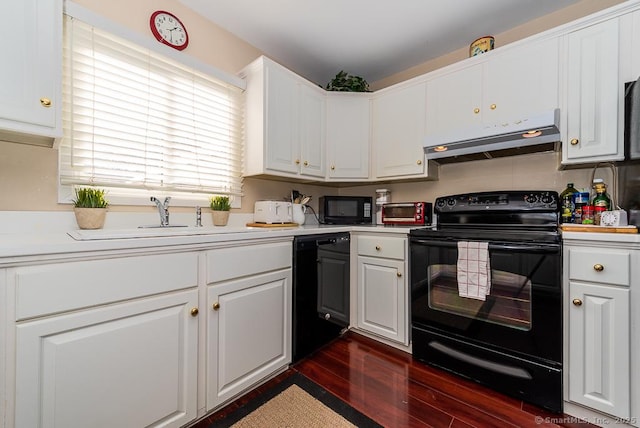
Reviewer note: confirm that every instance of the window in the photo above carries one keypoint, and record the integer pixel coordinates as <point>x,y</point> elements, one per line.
<point>134,119</point>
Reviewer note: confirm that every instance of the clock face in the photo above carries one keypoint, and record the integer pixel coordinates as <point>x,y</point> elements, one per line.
<point>168,29</point>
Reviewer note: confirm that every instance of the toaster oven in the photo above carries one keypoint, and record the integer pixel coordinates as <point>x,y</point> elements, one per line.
<point>408,213</point>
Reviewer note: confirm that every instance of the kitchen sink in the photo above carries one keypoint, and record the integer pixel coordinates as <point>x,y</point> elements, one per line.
<point>153,231</point>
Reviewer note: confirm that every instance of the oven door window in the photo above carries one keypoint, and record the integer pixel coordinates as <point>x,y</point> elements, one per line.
<point>508,302</point>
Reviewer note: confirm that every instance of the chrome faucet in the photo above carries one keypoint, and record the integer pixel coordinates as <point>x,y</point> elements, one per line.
<point>163,209</point>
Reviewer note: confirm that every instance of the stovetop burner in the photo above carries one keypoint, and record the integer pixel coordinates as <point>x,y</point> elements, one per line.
<point>513,215</point>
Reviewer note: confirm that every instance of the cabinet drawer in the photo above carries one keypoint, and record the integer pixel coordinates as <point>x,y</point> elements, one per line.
<point>235,262</point>
<point>382,246</point>
<point>610,267</point>
<point>48,289</point>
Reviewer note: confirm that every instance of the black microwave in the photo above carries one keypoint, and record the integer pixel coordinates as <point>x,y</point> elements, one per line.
<point>345,209</point>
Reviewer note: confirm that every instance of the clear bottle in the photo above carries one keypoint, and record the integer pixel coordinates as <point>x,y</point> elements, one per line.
<point>601,201</point>
<point>568,204</point>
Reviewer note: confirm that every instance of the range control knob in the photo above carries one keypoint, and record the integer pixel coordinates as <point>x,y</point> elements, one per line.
<point>440,203</point>
<point>546,198</point>
<point>531,198</point>
<point>451,202</point>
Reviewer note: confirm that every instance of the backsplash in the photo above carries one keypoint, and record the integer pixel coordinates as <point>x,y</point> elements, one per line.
<point>28,176</point>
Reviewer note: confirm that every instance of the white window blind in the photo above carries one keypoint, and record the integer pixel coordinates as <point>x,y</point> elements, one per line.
<point>137,120</point>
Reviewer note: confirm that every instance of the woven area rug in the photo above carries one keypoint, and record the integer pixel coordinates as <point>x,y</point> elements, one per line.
<point>296,402</point>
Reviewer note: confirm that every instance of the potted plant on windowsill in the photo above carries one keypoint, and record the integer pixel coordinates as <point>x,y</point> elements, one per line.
<point>90,207</point>
<point>220,206</point>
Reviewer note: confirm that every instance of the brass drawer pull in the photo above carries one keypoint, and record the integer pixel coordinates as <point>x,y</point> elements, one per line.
<point>598,267</point>
<point>399,274</point>
<point>46,102</point>
<point>194,312</point>
<point>216,306</point>
<point>476,110</point>
<point>574,141</point>
<point>378,247</point>
<point>577,302</point>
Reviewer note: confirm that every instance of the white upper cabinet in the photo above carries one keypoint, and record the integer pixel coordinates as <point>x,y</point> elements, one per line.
<point>592,106</point>
<point>348,125</point>
<point>398,130</point>
<point>312,131</point>
<point>30,95</point>
<point>453,99</point>
<point>285,123</point>
<point>521,82</point>
<point>506,86</point>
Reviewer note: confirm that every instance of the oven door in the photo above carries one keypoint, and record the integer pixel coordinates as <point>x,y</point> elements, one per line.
<point>522,314</point>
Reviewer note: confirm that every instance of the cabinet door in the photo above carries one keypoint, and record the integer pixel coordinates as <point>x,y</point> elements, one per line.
<point>311,124</point>
<point>249,333</point>
<point>282,146</point>
<point>32,52</point>
<point>454,100</point>
<point>382,298</point>
<point>348,136</point>
<point>398,131</point>
<point>599,347</point>
<point>131,364</point>
<point>521,82</point>
<point>592,94</point>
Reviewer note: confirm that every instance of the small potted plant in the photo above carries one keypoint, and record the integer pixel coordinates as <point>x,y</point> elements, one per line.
<point>344,82</point>
<point>220,206</point>
<point>90,207</point>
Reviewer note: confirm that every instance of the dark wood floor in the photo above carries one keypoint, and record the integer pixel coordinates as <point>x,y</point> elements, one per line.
<point>391,388</point>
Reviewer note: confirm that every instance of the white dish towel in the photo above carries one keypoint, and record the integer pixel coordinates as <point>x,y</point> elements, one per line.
<point>474,271</point>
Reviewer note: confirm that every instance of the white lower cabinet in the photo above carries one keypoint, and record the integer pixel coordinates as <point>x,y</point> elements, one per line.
<point>117,341</point>
<point>382,289</point>
<point>248,317</point>
<point>115,362</point>
<point>599,348</point>
<point>600,340</point>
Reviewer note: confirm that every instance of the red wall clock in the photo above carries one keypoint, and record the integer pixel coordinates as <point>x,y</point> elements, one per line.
<point>168,29</point>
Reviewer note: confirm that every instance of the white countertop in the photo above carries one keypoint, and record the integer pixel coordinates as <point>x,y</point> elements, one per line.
<point>57,236</point>
<point>24,247</point>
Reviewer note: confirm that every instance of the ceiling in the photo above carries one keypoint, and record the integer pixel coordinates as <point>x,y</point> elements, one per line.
<point>369,38</point>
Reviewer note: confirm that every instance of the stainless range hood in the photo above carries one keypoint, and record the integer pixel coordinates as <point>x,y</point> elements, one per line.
<point>530,132</point>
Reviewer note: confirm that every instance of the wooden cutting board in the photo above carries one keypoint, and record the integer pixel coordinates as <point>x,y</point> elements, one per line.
<point>272,225</point>
<point>598,229</point>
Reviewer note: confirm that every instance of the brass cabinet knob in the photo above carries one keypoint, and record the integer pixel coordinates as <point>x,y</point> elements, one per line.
<point>333,167</point>
<point>419,162</point>
<point>399,274</point>
<point>216,306</point>
<point>476,110</point>
<point>598,267</point>
<point>297,161</point>
<point>306,163</point>
<point>194,312</point>
<point>574,141</point>
<point>46,102</point>
<point>492,106</point>
<point>577,302</point>
<point>378,247</point>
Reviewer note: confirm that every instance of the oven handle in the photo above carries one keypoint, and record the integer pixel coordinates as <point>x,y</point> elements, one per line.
<point>539,248</point>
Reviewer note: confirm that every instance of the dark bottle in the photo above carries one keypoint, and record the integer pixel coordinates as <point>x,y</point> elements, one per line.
<point>601,201</point>
<point>568,204</point>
